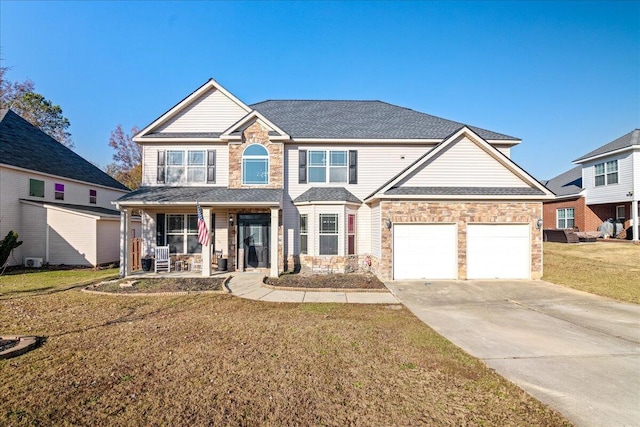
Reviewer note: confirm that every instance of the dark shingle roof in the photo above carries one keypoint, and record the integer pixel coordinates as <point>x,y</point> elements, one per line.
<point>632,138</point>
<point>360,120</point>
<point>91,210</point>
<point>568,183</point>
<point>327,194</point>
<point>25,146</point>
<point>464,191</point>
<point>203,195</point>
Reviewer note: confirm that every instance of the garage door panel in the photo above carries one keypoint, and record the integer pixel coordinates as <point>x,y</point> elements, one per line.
<point>498,251</point>
<point>425,251</point>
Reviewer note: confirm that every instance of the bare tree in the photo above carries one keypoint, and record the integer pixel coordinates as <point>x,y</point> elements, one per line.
<point>127,165</point>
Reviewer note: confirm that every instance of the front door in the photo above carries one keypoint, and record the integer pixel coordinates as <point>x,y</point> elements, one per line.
<point>253,237</point>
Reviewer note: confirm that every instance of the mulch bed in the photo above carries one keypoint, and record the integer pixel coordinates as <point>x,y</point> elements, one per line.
<point>7,344</point>
<point>187,284</point>
<point>334,281</point>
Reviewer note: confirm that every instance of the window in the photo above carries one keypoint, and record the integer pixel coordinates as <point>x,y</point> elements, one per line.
<point>36,188</point>
<point>304,234</point>
<point>620,212</point>
<point>336,168</point>
<point>182,234</point>
<point>93,197</point>
<point>565,218</point>
<point>351,234</point>
<point>328,234</point>
<point>59,191</point>
<point>606,173</point>
<point>255,165</point>
<point>186,167</point>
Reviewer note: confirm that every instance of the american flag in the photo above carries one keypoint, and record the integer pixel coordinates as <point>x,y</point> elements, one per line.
<point>203,233</point>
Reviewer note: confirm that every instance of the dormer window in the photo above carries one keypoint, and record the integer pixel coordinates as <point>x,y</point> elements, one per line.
<point>255,165</point>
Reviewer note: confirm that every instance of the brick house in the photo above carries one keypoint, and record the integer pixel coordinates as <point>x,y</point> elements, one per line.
<point>335,186</point>
<point>604,185</point>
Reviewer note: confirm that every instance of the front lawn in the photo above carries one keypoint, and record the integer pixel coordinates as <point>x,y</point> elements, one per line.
<point>20,282</point>
<point>602,268</point>
<point>220,360</point>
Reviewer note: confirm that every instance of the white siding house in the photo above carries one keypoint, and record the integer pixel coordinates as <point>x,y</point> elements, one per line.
<point>59,204</point>
<point>319,185</point>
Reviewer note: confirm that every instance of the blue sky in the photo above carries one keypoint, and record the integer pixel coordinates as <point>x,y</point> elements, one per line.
<point>562,76</point>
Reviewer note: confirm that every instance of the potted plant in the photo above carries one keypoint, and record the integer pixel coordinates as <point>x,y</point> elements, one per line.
<point>147,263</point>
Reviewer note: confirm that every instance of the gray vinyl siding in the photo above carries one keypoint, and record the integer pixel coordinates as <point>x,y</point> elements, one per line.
<point>12,187</point>
<point>211,112</point>
<point>463,164</point>
<point>72,238</point>
<point>150,160</point>
<point>108,242</point>
<point>33,231</point>
<point>609,193</point>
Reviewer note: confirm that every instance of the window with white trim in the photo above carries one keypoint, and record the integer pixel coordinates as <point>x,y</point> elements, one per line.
<point>255,165</point>
<point>36,188</point>
<point>93,197</point>
<point>620,213</point>
<point>351,234</point>
<point>304,234</point>
<point>328,166</point>
<point>182,233</point>
<point>328,230</point>
<point>565,218</point>
<point>606,173</point>
<point>186,167</point>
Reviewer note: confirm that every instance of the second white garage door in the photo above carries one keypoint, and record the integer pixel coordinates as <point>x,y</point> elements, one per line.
<point>498,251</point>
<point>425,251</point>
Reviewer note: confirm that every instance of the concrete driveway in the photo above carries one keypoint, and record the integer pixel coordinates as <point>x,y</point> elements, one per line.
<point>577,352</point>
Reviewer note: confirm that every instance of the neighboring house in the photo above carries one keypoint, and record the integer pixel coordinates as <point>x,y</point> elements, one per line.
<point>57,202</point>
<point>605,185</point>
<point>335,186</point>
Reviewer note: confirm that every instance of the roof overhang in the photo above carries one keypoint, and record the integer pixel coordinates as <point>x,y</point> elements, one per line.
<point>607,154</point>
<point>254,115</point>
<point>494,152</point>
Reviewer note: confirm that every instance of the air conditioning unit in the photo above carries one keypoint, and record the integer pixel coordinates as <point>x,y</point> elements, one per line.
<point>33,262</point>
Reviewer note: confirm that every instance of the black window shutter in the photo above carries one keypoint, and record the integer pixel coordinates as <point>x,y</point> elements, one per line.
<point>160,166</point>
<point>159,229</point>
<point>353,167</point>
<point>302,166</point>
<point>211,166</point>
<point>213,232</point>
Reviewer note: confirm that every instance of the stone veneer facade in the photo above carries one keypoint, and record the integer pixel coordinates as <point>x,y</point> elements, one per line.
<point>460,213</point>
<point>256,134</point>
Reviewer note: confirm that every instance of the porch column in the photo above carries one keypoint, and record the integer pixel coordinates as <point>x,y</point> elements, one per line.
<point>274,243</point>
<point>634,219</point>
<point>125,232</point>
<point>206,250</point>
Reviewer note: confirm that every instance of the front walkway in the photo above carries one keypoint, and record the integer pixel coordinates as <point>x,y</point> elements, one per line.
<point>249,286</point>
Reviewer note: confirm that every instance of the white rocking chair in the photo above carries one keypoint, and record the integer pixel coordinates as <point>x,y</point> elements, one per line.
<point>163,260</point>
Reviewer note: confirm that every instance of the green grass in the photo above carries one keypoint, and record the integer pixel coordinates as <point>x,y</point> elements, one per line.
<point>607,269</point>
<point>16,283</point>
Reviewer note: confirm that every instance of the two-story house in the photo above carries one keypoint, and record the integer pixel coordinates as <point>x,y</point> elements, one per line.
<point>604,185</point>
<point>335,186</point>
<point>59,204</point>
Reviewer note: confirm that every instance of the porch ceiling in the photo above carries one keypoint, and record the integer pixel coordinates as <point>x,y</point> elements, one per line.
<point>162,195</point>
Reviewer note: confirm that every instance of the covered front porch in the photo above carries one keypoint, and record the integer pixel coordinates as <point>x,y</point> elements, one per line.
<point>243,229</point>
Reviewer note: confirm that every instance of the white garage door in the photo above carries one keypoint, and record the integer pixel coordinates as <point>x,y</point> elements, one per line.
<point>425,251</point>
<point>498,251</point>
